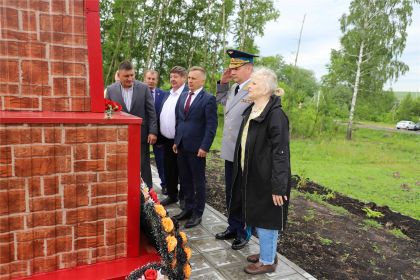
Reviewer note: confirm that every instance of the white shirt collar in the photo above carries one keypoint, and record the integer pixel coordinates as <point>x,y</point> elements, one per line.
<point>178,91</point>
<point>198,91</point>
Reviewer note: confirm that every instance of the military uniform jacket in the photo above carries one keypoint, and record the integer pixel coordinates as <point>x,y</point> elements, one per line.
<point>234,107</point>
<point>142,106</point>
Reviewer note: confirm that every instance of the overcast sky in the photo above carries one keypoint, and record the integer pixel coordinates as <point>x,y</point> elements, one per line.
<point>321,33</point>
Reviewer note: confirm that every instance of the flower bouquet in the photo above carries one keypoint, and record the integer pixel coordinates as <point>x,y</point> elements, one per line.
<point>110,107</point>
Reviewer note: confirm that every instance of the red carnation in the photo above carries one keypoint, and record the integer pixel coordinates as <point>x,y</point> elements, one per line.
<point>150,274</point>
<point>153,195</point>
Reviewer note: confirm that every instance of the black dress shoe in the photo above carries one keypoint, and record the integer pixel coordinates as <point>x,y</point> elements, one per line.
<point>239,243</point>
<point>193,221</point>
<point>168,201</point>
<point>227,234</point>
<point>164,191</point>
<point>185,214</point>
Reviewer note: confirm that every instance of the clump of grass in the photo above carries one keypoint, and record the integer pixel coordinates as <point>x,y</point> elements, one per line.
<point>368,223</point>
<point>310,215</point>
<point>320,199</point>
<point>372,213</point>
<point>398,233</point>
<point>325,241</point>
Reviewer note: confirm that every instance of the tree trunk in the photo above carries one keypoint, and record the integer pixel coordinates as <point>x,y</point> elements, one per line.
<point>355,90</point>
<point>156,29</point>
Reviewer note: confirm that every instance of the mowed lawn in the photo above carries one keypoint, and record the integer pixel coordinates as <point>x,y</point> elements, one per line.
<point>378,166</point>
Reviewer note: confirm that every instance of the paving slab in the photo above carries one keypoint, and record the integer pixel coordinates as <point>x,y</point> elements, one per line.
<point>214,259</point>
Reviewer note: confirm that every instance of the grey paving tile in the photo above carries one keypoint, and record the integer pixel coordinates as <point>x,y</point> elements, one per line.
<point>295,276</point>
<point>198,263</point>
<point>224,257</point>
<point>208,244</point>
<point>215,228</point>
<point>250,249</point>
<point>210,218</point>
<point>208,275</point>
<point>238,273</point>
<point>196,232</point>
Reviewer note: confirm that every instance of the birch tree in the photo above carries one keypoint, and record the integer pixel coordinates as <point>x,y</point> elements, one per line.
<point>374,38</point>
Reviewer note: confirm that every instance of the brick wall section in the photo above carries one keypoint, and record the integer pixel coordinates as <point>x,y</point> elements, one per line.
<point>63,196</point>
<point>43,56</point>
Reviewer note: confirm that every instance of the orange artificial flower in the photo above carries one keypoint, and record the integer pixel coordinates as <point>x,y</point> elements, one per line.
<point>188,252</point>
<point>184,237</point>
<point>160,210</point>
<point>167,224</point>
<point>187,270</point>
<point>171,241</point>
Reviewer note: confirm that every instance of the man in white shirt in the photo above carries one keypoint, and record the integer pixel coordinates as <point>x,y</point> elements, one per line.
<point>166,136</point>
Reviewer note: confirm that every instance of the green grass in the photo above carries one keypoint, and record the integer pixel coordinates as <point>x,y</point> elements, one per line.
<point>368,223</point>
<point>374,166</point>
<point>398,233</point>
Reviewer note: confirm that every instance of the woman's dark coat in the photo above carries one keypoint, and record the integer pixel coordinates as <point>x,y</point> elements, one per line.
<point>266,168</point>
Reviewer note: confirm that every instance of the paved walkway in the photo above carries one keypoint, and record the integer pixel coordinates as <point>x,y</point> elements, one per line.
<point>214,259</point>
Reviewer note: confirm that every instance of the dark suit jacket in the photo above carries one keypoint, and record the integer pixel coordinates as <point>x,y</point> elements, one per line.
<point>197,128</point>
<point>141,106</point>
<point>159,96</point>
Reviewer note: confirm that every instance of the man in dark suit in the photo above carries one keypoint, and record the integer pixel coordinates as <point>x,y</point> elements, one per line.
<point>135,99</point>
<point>151,78</point>
<point>167,122</point>
<point>196,124</point>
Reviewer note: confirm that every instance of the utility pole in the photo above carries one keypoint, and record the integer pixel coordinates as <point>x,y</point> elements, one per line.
<point>300,37</point>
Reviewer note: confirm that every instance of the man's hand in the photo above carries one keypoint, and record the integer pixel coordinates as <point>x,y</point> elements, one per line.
<point>174,149</point>
<point>151,139</point>
<point>226,77</point>
<point>278,199</point>
<point>201,153</point>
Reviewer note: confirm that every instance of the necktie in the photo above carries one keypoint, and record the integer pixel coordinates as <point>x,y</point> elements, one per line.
<point>187,105</point>
<point>236,89</point>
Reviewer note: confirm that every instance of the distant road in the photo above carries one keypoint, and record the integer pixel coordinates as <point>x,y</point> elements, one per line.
<point>377,127</point>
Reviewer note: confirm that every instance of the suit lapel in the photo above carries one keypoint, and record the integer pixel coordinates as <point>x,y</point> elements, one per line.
<point>235,99</point>
<point>181,101</point>
<point>196,100</point>
<point>136,95</point>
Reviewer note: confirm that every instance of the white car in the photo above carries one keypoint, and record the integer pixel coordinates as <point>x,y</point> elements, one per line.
<point>406,125</point>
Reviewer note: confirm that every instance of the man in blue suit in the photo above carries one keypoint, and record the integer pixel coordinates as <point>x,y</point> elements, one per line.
<point>196,124</point>
<point>151,78</point>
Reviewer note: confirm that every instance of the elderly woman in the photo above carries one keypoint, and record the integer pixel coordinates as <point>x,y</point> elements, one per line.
<point>261,175</point>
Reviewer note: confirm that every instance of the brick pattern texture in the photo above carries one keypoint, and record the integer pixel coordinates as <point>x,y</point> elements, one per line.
<point>63,196</point>
<point>43,56</point>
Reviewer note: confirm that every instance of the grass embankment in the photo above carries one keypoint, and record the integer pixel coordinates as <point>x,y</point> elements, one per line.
<point>378,166</point>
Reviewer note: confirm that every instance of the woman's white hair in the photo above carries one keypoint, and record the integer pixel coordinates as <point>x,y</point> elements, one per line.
<point>269,79</point>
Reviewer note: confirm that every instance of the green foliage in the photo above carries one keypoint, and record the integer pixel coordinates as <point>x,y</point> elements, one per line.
<point>250,22</point>
<point>372,213</point>
<point>374,37</point>
<point>163,33</point>
<point>409,109</point>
